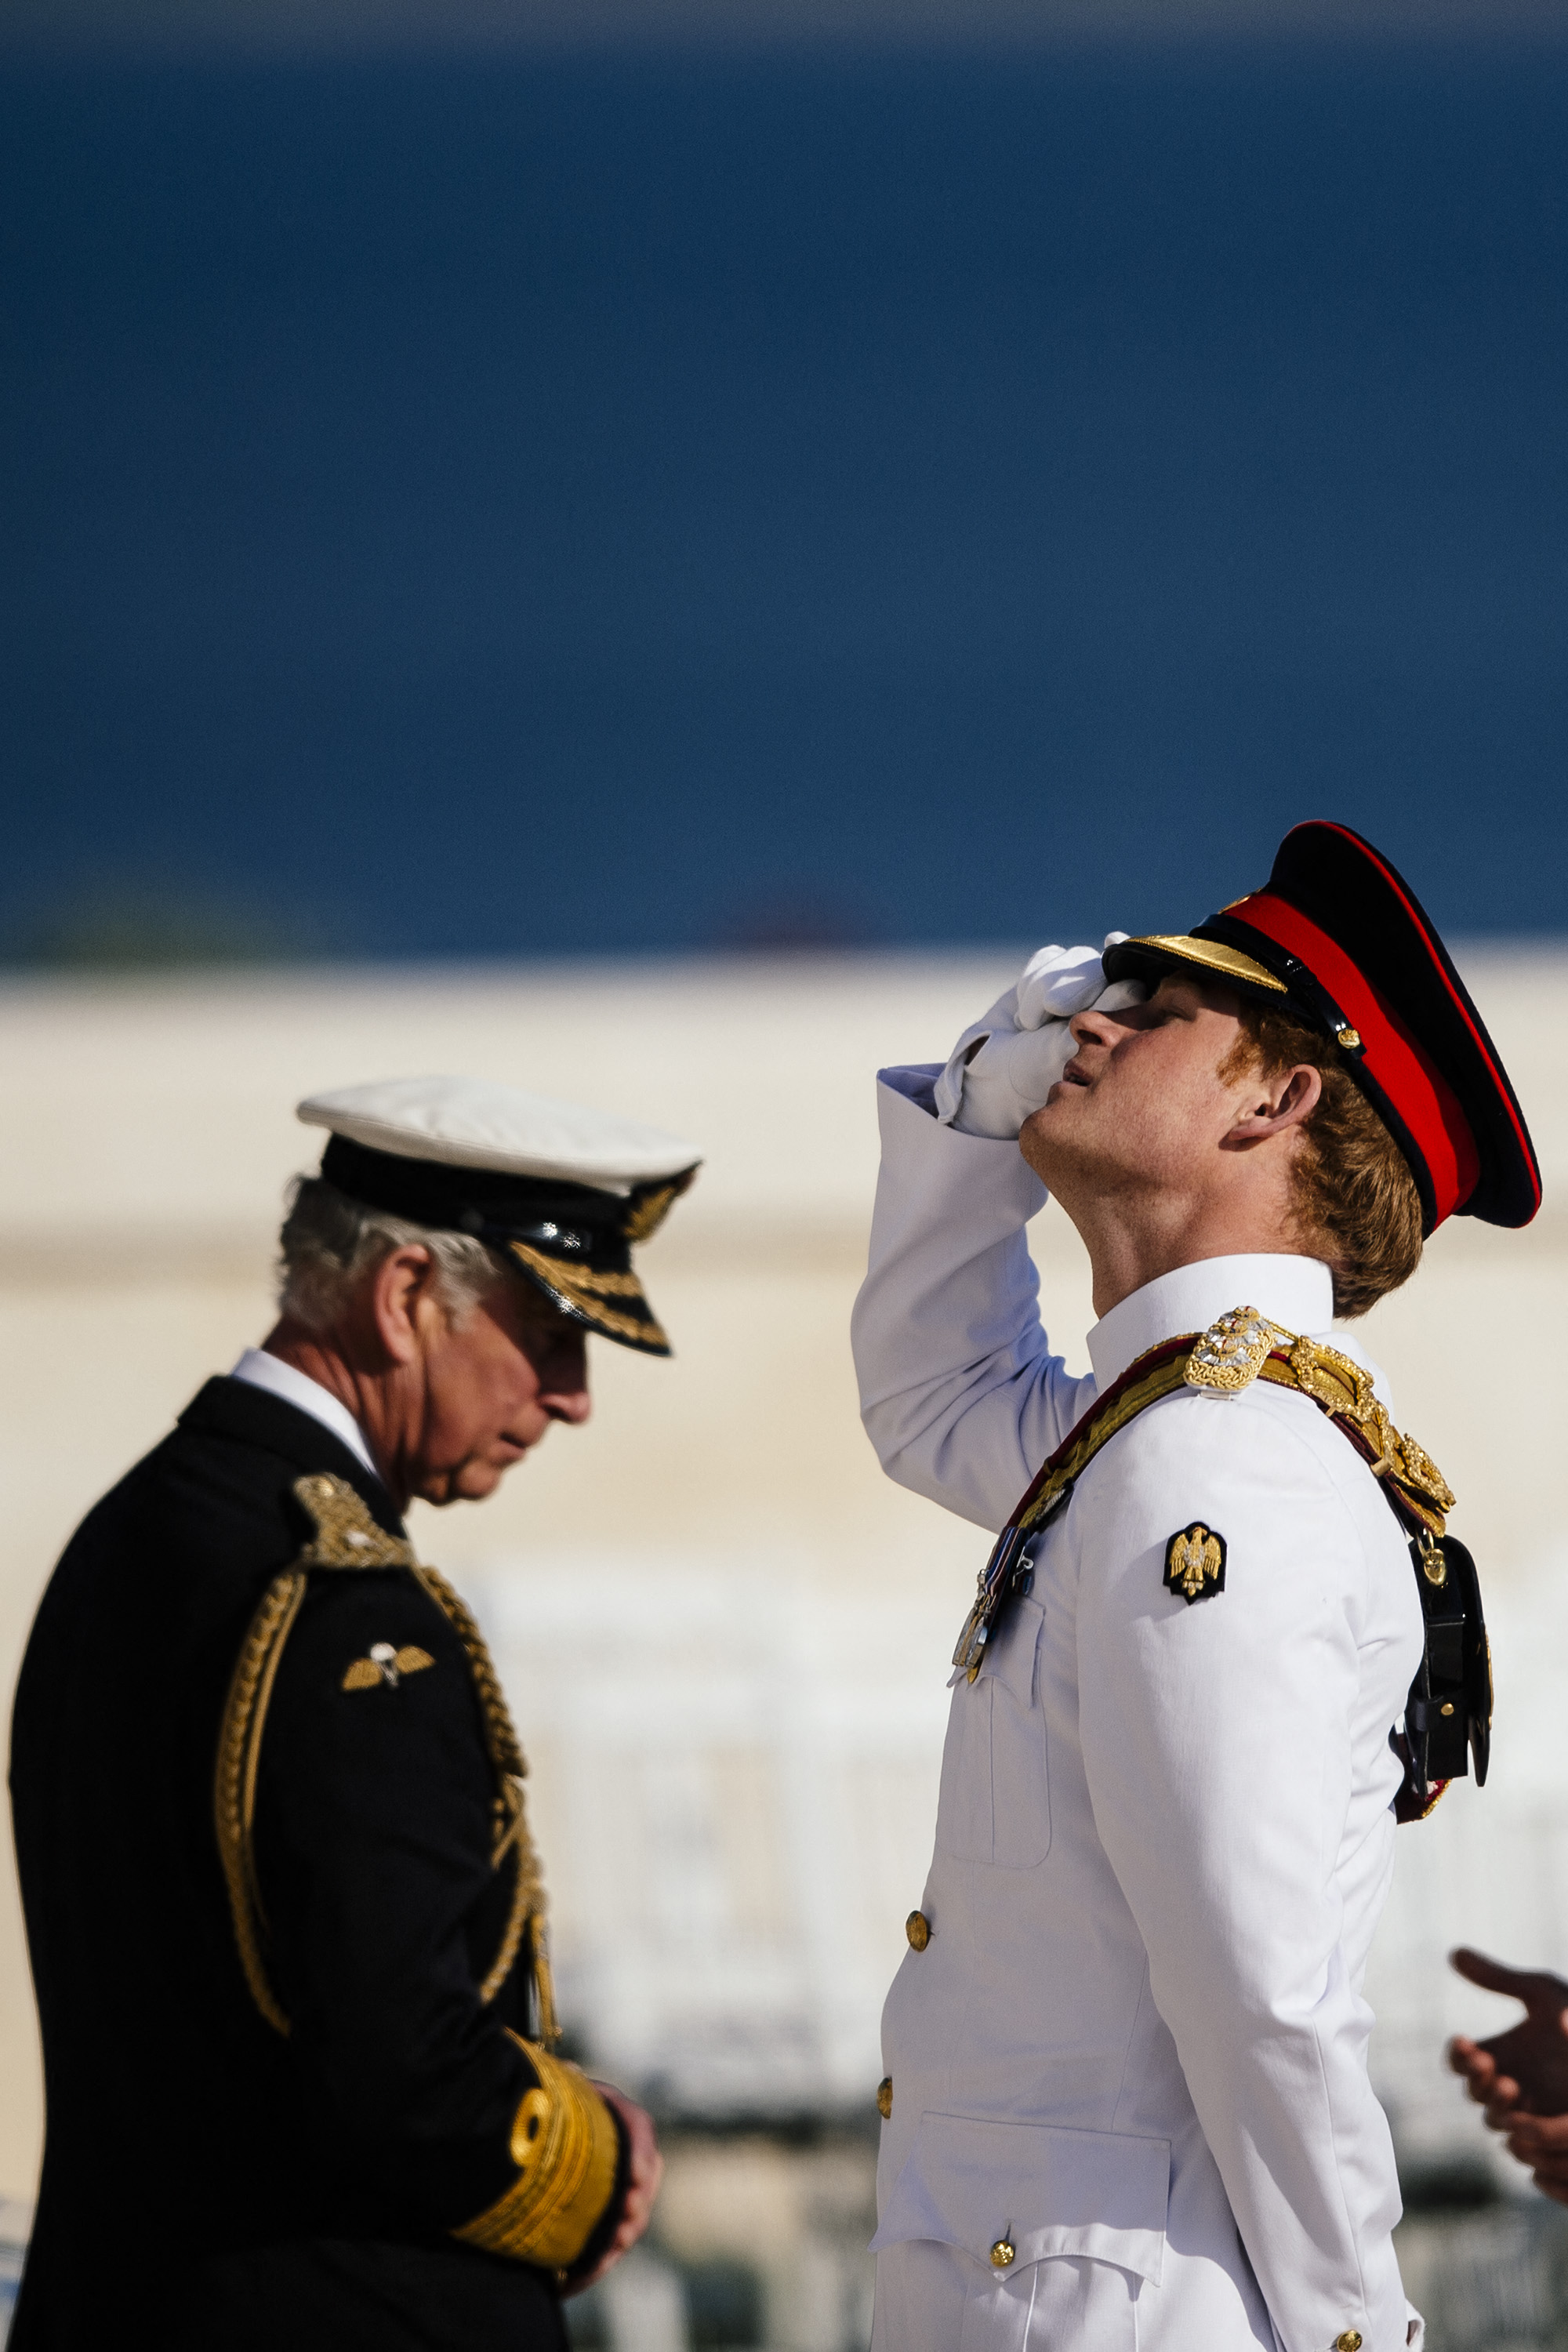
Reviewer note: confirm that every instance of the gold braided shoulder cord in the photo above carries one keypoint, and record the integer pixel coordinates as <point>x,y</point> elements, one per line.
<point>347,1537</point>
<point>1239,1348</point>
<point>1236,1349</point>
<point>1101,1428</point>
<point>239,1756</point>
<point>1344,1388</point>
<point>566,2149</point>
<point>526,1913</point>
<point>1244,1346</point>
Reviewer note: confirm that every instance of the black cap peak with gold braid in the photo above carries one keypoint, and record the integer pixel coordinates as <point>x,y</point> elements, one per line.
<point>572,1242</point>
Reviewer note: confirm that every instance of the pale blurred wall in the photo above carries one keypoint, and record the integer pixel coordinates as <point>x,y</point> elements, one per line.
<point>151,1134</point>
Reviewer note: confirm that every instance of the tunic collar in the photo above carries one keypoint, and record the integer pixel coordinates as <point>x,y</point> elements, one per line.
<point>261,1370</point>
<point>1297,1292</point>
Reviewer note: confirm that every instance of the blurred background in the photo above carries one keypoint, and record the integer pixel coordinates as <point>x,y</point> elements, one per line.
<point>652,554</point>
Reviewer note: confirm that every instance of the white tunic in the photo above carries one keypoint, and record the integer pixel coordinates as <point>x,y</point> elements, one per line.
<point>1135,2046</point>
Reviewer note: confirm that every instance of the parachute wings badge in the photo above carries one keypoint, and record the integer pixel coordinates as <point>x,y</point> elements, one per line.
<point>385,1664</point>
<point>1194,1562</point>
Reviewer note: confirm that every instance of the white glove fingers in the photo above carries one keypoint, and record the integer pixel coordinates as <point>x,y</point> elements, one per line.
<point>1005,1064</point>
<point>1058,983</point>
<point>999,1021</point>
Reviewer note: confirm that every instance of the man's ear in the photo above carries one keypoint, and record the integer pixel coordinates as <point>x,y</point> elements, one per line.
<point>399,1284</point>
<point>1280,1102</point>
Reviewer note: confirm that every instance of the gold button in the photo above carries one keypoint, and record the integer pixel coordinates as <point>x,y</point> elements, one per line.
<point>1003,2251</point>
<point>917,1928</point>
<point>1447,1709</point>
<point>1349,2342</point>
<point>1350,1039</point>
<point>885,2097</point>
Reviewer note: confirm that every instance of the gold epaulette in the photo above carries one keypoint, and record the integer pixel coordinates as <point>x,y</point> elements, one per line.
<point>347,1537</point>
<point>1240,1348</point>
<point>565,2147</point>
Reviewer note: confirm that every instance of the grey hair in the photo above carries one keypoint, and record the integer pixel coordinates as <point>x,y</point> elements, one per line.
<point>330,1242</point>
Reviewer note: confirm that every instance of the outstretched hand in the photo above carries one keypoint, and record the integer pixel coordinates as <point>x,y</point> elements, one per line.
<point>1520,2077</point>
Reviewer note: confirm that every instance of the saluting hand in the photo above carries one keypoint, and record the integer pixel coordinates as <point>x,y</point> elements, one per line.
<point>1520,2077</point>
<point>646,2171</point>
<point>1006,1063</point>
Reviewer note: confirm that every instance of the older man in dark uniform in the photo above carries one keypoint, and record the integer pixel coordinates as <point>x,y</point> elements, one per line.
<point>285,1918</point>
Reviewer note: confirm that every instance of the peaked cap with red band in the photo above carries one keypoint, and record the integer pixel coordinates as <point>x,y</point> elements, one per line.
<point>1338,940</point>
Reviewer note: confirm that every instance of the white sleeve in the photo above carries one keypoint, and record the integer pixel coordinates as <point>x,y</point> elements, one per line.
<point>959,1392</point>
<point>1222,1740</point>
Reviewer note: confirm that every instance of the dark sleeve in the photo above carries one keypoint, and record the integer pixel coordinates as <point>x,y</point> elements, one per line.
<point>375,1823</point>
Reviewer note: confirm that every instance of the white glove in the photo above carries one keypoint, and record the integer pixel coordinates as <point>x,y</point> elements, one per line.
<point>1006,1063</point>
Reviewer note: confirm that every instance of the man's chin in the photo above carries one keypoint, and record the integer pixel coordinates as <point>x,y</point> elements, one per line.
<point>1033,1136</point>
<point>469,1482</point>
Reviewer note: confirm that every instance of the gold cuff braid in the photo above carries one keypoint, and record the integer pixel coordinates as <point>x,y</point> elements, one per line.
<point>565,2147</point>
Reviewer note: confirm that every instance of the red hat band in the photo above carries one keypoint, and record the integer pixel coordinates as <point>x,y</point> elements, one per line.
<point>1400,1067</point>
<point>1338,938</point>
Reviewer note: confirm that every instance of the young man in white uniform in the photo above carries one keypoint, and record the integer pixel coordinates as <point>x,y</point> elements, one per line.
<point>1127,2101</point>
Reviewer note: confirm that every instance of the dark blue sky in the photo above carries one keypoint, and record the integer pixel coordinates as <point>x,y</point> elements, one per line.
<point>514,506</point>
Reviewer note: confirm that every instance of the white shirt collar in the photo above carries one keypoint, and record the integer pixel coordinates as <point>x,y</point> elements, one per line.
<point>296,1388</point>
<point>1296,1292</point>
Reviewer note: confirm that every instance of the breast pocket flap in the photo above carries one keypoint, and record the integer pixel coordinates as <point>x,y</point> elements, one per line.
<point>1048,2190</point>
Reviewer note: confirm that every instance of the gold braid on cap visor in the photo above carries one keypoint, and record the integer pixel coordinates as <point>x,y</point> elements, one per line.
<point>1228,962</point>
<point>566,2149</point>
<point>590,1295</point>
<point>611,1300</point>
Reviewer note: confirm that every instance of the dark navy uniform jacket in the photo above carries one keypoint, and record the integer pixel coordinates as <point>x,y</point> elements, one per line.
<point>208,2181</point>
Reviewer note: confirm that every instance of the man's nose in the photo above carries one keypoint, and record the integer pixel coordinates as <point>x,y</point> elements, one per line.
<point>563,1391</point>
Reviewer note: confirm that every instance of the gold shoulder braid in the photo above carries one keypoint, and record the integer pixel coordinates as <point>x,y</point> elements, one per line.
<point>347,1537</point>
<point>233,1796</point>
<point>527,1914</point>
<point>1450,1709</point>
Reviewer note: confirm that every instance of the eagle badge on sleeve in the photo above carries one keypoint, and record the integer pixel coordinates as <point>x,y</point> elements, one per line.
<point>1194,1562</point>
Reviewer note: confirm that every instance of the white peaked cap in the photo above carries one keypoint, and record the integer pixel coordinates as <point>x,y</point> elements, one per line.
<point>474,1123</point>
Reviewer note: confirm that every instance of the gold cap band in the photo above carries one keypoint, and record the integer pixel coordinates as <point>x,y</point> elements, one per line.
<point>1210,956</point>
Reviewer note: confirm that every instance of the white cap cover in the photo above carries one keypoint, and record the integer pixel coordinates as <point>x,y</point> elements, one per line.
<point>474,1123</point>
